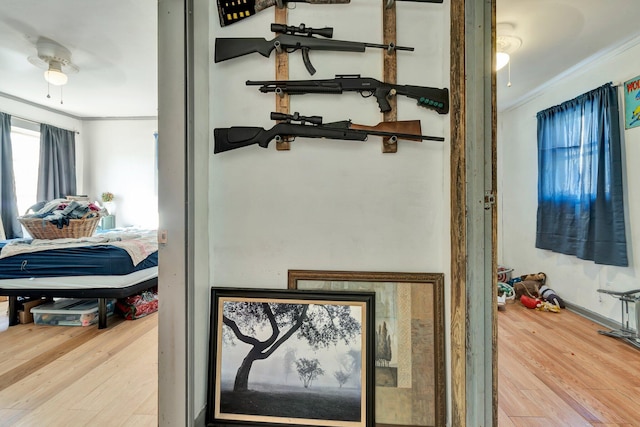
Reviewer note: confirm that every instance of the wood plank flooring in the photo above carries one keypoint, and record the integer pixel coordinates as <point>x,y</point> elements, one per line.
<point>554,369</point>
<point>80,376</point>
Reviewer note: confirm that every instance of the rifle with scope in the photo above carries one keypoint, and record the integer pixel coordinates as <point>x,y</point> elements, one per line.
<point>295,125</point>
<point>427,97</point>
<point>290,39</point>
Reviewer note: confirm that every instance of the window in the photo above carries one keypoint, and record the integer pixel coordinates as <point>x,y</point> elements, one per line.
<point>580,199</point>
<point>25,144</point>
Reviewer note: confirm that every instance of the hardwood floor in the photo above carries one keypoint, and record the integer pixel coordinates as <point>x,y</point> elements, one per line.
<point>80,376</point>
<point>554,369</point>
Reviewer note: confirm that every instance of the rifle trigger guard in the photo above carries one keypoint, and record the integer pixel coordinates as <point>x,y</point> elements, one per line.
<point>278,46</point>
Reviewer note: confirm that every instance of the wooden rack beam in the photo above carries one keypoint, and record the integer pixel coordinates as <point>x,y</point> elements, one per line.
<point>282,73</point>
<point>390,67</point>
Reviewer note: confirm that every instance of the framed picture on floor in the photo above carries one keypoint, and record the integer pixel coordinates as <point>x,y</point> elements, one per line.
<point>289,357</point>
<point>410,378</point>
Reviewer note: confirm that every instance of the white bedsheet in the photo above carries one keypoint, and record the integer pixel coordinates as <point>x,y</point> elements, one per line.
<point>139,244</point>
<point>81,282</point>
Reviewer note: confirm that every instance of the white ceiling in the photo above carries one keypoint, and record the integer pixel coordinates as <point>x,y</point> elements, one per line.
<point>558,35</point>
<point>114,43</point>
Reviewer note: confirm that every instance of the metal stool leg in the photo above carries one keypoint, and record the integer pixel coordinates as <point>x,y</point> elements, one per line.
<point>625,332</point>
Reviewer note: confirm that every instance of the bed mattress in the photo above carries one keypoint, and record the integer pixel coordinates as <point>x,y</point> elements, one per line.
<point>99,260</point>
<point>102,282</point>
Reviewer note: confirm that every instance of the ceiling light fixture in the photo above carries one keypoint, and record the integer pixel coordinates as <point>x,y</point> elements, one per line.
<point>506,44</point>
<point>55,59</point>
<point>502,59</point>
<point>54,74</point>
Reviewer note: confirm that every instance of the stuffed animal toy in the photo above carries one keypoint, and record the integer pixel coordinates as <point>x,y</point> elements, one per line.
<point>550,296</point>
<point>538,277</point>
<point>529,284</point>
<point>529,302</point>
<point>526,287</point>
<point>547,306</point>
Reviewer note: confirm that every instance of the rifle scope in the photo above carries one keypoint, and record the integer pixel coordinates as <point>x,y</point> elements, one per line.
<point>296,117</point>
<point>302,29</point>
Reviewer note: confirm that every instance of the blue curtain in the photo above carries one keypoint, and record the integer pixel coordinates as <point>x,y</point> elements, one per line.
<point>57,170</point>
<point>580,199</point>
<point>8,200</point>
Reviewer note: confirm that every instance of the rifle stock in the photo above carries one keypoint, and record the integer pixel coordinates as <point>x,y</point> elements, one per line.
<point>427,97</point>
<point>403,128</point>
<point>233,47</point>
<point>226,139</point>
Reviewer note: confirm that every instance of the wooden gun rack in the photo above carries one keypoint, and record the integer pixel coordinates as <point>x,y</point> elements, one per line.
<point>282,73</point>
<point>390,67</point>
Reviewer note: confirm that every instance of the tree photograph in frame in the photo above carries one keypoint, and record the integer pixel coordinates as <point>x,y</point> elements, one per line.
<point>410,377</point>
<point>280,357</point>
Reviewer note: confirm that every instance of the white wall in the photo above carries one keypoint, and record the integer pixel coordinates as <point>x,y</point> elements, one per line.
<point>327,204</point>
<point>30,112</point>
<point>121,157</point>
<point>573,279</point>
<point>116,155</point>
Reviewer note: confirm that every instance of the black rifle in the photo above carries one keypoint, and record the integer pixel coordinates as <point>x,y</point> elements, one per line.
<point>231,11</point>
<point>428,97</point>
<point>291,39</point>
<point>226,139</point>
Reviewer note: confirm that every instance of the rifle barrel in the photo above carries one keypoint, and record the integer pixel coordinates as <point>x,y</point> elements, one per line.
<point>386,46</point>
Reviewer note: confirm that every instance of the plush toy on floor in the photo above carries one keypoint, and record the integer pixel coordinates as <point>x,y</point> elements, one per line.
<point>529,284</point>
<point>549,295</point>
<point>530,302</point>
<point>538,304</point>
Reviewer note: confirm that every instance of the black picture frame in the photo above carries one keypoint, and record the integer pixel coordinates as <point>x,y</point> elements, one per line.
<point>280,357</point>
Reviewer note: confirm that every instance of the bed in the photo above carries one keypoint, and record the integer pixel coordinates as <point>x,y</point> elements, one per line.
<point>116,264</point>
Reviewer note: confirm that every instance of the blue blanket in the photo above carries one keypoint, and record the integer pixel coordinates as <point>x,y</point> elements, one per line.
<point>99,260</point>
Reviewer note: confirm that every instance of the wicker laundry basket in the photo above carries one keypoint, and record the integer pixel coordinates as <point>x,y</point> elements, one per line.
<point>40,228</point>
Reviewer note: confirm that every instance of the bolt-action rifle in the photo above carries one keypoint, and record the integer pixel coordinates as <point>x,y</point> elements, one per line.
<point>226,139</point>
<point>428,97</point>
<point>291,39</point>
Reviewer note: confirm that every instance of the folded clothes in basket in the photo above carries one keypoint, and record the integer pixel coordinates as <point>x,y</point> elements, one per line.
<point>60,211</point>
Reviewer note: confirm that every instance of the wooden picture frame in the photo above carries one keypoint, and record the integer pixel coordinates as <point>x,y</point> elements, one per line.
<point>410,349</point>
<point>275,358</point>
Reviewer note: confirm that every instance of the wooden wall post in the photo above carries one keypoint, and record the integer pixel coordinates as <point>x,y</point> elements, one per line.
<point>473,220</point>
<point>282,73</point>
<point>390,67</point>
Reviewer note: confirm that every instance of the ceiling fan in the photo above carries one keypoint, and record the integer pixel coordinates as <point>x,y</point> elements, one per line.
<point>55,59</point>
